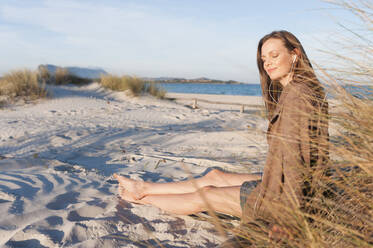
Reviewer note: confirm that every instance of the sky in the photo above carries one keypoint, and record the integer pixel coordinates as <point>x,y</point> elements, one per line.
<point>157,38</point>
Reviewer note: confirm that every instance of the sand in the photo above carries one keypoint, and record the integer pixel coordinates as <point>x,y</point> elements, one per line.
<point>57,157</point>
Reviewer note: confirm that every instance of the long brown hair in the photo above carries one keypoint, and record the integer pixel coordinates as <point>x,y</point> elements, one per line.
<point>303,71</point>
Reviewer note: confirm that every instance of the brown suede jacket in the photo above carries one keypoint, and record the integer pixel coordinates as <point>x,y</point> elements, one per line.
<point>298,148</point>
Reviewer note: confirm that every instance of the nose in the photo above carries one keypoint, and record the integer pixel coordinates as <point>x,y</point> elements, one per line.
<point>267,63</point>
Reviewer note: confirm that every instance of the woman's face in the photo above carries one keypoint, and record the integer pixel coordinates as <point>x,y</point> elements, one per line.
<point>277,60</point>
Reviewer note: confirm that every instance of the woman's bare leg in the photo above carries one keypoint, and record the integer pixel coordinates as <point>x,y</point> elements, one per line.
<point>218,199</point>
<point>215,177</point>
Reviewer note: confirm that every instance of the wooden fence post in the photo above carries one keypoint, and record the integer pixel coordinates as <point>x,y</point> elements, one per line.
<point>195,104</point>
<point>242,108</point>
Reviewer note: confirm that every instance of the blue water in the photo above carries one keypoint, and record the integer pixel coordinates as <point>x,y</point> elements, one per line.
<point>245,89</point>
<point>360,91</point>
<point>216,89</point>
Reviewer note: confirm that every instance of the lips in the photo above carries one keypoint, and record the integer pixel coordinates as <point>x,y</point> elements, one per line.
<point>270,70</point>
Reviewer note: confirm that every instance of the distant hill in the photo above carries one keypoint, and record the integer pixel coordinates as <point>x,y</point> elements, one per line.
<point>162,78</point>
<point>94,73</point>
<point>184,80</point>
<point>91,73</point>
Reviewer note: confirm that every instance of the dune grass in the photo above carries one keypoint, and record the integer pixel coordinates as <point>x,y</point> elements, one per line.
<point>21,84</point>
<point>155,90</point>
<point>25,84</point>
<point>30,85</point>
<point>135,86</point>
<point>61,77</point>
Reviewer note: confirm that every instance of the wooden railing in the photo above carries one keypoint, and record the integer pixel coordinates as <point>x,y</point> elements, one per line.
<point>196,100</point>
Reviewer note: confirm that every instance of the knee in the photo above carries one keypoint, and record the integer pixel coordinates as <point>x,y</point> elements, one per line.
<point>206,189</point>
<point>214,174</point>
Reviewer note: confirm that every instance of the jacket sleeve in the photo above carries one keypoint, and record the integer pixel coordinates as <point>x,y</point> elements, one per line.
<point>296,150</point>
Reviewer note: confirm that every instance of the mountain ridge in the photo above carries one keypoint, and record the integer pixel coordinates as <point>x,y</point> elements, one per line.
<point>95,73</point>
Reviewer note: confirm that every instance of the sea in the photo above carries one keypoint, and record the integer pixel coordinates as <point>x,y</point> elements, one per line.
<point>215,89</point>
<point>245,89</point>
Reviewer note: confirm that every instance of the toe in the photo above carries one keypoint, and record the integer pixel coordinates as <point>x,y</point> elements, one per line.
<point>118,177</point>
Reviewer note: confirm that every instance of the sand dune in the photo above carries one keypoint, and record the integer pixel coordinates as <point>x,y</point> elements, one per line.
<point>57,158</point>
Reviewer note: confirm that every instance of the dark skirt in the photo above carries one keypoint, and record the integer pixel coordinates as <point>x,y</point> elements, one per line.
<point>246,189</point>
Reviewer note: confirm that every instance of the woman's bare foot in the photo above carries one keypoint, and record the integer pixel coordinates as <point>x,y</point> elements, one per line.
<point>135,188</point>
<point>128,196</point>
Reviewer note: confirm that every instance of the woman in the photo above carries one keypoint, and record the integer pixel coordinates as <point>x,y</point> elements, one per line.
<point>297,138</point>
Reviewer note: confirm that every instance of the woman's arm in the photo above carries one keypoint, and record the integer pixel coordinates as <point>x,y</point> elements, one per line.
<point>297,131</point>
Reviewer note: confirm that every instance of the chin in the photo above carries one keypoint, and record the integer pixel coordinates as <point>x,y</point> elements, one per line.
<point>274,78</point>
<point>277,77</point>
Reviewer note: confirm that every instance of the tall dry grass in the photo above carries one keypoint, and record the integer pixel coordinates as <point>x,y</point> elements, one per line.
<point>61,76</point>
<point>155,90</point>
<point>340,213</point>
<point>135,86</point>
<point>44,75</point>
<point>21,84</point>
<point>30,85</point>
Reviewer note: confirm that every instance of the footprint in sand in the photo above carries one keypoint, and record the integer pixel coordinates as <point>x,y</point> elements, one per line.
<point>42,233</point>
<point>25,243</point>
<point>17,207</point>
<point>180,116</point>
<point>54,220</point>
<point>85,213</point>
<point>60,140</point>
<point>63,200</point>
<point>78,234</point>
<point>65,138</point>
<point>36,237</point>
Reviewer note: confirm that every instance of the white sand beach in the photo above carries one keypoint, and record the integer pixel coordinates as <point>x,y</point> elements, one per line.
<point>57,157</point>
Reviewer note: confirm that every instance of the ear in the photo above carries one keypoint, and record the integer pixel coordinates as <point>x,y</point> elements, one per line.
<point>296,52</point>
